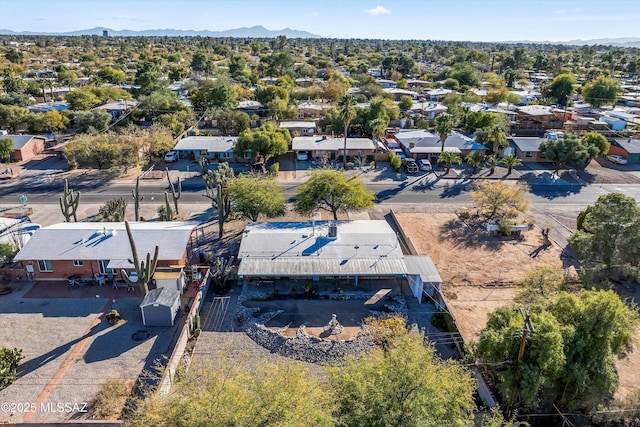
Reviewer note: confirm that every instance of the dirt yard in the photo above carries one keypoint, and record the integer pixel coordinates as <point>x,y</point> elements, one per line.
<point>478,272</point>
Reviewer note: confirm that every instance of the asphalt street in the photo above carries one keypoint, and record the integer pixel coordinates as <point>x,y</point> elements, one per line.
<point>425,189</point>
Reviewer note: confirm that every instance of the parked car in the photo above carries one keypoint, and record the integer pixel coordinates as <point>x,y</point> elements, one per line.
<point>614,158</point>
<point>302,156</point>
<point>410,165</point>
<point>171,156</point>
<point>424,165</point>
<point>400,153</point>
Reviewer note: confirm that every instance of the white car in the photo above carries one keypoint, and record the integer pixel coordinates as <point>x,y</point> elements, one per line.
<point>617,159</point>
<point>303,156</point>
<point>171,156</point>
<point>424,165</point>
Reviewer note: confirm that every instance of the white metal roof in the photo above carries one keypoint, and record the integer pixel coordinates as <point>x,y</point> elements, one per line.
<point>303,143</point>
<point>212,144</point>
<point>424,267</point>
<point>303,248</point>
<point>298,124</point>
<point>107,241</point>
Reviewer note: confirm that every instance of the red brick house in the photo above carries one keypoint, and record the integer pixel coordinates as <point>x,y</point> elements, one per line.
<point>26,147</point>
<point>89,248</point>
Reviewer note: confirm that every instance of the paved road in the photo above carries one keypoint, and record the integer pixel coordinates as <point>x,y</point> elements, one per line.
<point>419,190</point>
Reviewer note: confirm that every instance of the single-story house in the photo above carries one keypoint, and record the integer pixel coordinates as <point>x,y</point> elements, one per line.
<point>25,147</point>
<point>422,144</point>
<point>313,110</point>
<point>216,148</point>
<point>326,148</point>
<point>251,108</point>
<point>89,248</point>
<point>117,108</point>
<point>626,147</point>
<point>44,107</point>
<point>437,94</point>
<point>299,128</point>
<point>428,110</point>
<point>160,307</point>
<point>527,149</point>
<point>329,250</point>
<point>399,93</point>
<point>617,120</point>
<point>386,83</point>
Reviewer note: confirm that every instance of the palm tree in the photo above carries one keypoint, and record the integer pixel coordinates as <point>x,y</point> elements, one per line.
<point>347,113</point>
<point>510,161</point>
<point>492,162</point>
<point>449,157</point>
<point>474,159</point>
<point>444,126</point>
<point>378,125</point>
<point>497,137</point>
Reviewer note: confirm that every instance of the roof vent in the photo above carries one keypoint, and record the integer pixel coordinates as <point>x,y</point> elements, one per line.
<point>333,231</point>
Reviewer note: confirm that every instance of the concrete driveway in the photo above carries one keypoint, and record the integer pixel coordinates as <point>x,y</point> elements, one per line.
<point>70,351</point>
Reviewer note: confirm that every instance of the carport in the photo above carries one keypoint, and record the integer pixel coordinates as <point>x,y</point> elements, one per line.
<point>423,278</point>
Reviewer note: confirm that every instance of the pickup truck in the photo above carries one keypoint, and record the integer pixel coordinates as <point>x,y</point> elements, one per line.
<point>410,165</point>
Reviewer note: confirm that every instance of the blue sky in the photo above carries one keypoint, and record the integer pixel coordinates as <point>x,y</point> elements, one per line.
<point>476,20</point>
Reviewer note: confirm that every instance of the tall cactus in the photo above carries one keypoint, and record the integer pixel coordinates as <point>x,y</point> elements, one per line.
<point>174,194</point>
<point>216,186</point>
<point>144,270</point>
<point>137,198</point>
<point>69,203</point>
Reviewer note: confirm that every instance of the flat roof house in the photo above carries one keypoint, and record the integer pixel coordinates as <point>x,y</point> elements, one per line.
<point>88,248</point>
<point>323,147</point>
<point>326,250</point>
<point>299,128</point>
<point>421,144</point>
<point>218,148</point>
<point>528,148</point>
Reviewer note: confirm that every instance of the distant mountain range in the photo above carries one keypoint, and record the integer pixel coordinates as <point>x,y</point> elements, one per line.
<point>253,32</point>
<point>259,31</point>
<point>620,42</point>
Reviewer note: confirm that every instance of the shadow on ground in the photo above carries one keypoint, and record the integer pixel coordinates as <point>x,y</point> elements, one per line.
<point>472,236</point>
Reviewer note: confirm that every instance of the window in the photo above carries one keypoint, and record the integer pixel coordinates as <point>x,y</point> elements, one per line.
<point>226,155</point>
<point>102,267</point>
<point>44,265</point>
<point>77,263</point>
<point>529,154</point>
<point>247,155</point>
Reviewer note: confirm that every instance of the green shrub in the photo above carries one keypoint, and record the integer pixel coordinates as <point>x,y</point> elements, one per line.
<point>395,161</point>
<point>505,226</point>
<point>9,362</point>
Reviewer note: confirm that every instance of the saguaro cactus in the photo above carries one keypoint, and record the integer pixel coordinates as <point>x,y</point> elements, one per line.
<point>137,198</point>
<point>144,270</point>
<point>69,203</point>
<point>216,186</point>
<point>174,194</point>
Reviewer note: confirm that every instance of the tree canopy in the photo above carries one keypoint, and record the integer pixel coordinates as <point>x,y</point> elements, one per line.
<point>402,384</point>
<point>229,394</point>
<point>498,200</point>
<point>601,91</point>
<point>252,196</point>
<point>331,190</point>
<point>568,355</point>
<point>561,88</point>
<point>609,232</point>
<point>571,150</point>
<point>267,141</point>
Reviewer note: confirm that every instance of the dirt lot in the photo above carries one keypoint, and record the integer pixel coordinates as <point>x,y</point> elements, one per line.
<point>478,272</point>
<point>602,171</point>
<point>477,269</point>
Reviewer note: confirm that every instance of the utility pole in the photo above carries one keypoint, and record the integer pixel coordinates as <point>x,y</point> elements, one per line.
<point>526,330</point>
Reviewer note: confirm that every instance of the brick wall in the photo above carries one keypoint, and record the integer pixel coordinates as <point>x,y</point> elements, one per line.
<point>61,270</point>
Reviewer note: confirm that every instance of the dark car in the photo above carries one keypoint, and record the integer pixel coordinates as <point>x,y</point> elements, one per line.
<point>410,165</point>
